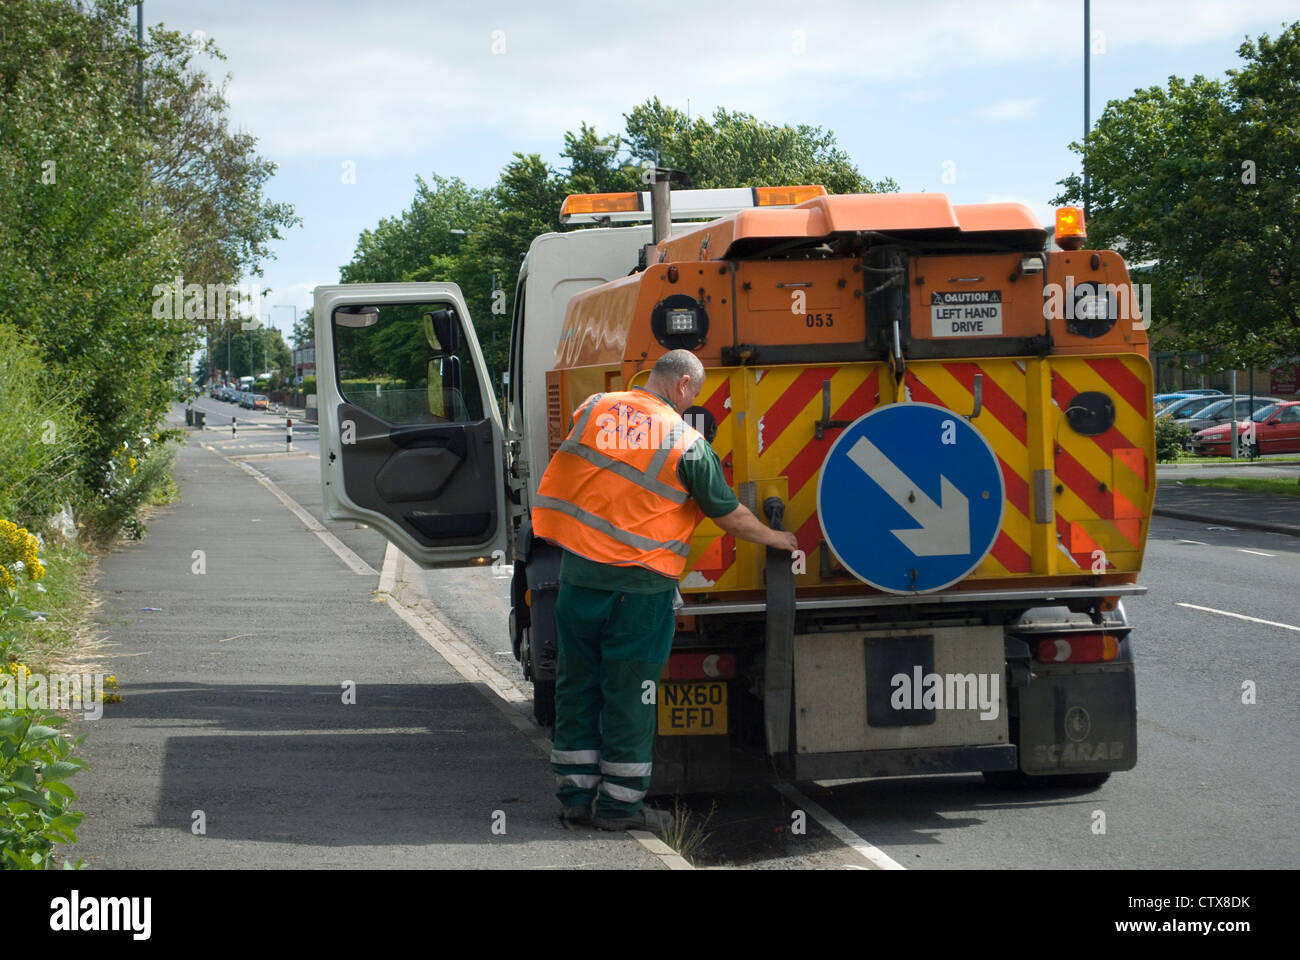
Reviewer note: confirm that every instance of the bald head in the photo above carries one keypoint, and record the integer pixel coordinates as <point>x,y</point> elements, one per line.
<point>677,375</point>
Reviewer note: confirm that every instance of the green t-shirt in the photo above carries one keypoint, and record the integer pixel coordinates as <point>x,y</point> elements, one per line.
<point>700,472</point>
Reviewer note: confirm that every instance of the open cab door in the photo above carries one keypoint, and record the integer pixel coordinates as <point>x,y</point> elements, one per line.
<point>410,434</point>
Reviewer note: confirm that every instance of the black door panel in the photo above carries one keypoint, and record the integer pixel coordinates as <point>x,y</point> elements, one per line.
<point>443,476</point>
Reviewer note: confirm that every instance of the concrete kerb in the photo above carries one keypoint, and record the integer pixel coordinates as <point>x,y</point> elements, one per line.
<point>1283,528</point>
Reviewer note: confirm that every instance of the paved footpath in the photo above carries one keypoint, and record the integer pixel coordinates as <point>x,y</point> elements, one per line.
<point>233,665</point>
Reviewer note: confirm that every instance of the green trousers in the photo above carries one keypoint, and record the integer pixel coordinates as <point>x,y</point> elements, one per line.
<point>612,648</point>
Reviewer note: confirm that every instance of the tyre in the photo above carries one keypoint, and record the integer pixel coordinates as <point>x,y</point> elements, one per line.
<point>544,701</point>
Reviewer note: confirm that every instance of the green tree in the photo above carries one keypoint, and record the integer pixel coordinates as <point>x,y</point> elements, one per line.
<point>104,198</point>
<point>304,329</point>
<point>251,351</point>
<point>738,150</point>
<point>1203,177</point>
<point>208,178</point>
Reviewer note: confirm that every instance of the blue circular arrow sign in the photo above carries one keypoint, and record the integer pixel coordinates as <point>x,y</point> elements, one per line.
<point>910,498</point>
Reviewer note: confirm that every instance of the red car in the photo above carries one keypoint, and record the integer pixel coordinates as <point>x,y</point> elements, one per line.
<point>1276,430</point>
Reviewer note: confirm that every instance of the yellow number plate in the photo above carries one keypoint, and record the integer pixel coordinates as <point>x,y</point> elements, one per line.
<point>692,708</point>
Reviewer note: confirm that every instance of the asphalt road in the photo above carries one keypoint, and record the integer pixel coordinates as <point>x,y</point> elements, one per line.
<point>1214,784</point>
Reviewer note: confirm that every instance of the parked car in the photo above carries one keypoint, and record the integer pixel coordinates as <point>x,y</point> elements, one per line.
<point>1221,411</point>
<point>246,399</point>
<point>1205,392</point>
<point>1276,428</point>
<point>1163,400</point>
<point>1185,407</point>
<point>260,402</point>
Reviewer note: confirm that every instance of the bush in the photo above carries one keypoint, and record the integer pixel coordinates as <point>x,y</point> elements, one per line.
<point>38,465</point>
<point>308,384</point>
<point>134,479</point>
<point>1172,439</point>
<point>35,758</point>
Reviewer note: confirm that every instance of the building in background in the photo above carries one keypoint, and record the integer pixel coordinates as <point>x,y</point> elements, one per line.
<point>304,361</point>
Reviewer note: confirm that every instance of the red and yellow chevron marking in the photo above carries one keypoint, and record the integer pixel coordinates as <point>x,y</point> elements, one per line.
<point>713,553</point>
<point>1102,512</point>
<point>788,403</point>
<point>1102,486</point>
<point>771,435</point>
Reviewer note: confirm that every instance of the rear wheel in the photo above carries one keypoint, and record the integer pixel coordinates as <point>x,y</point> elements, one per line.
<point>544,701</point>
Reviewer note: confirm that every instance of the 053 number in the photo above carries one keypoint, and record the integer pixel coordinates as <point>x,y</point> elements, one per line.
<point>819,319</point>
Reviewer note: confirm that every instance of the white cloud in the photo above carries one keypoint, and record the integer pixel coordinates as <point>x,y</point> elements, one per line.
<point>1006,111</point>
<point>409,78</point>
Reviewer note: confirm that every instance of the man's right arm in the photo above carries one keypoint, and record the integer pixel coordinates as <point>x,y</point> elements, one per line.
<point>742,523</point>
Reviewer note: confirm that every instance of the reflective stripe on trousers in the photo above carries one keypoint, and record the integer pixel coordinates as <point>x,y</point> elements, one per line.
<point>576,757</point>
<point>618,792</point>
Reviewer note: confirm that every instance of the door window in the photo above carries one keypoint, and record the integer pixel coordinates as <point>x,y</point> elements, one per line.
<point>406,363</point>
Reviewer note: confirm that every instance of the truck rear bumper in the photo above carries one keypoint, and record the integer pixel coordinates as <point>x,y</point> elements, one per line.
<point>900,763</point>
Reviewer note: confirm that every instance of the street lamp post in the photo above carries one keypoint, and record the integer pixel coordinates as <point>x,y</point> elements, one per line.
<point>1087,89</point>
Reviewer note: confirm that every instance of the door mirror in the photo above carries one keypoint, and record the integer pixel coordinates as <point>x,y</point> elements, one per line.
<point>356,316</point>
<point>442,330</point>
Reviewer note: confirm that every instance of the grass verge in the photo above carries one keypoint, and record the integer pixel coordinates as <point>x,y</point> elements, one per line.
<point>61,599</point>
<point>1268,460</point>
<point>1278,485</point>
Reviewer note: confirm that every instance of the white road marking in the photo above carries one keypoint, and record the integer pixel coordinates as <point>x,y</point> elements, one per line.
<point>875,856</point>
<point>1240,616</point>
<point>1258,553</point>
<point>1199,543</point>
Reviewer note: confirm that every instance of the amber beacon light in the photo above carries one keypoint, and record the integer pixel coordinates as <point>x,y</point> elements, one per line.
<point>1070,232</point>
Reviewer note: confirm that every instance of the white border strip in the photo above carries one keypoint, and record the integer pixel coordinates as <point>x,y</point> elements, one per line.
<point>1240,616</point>
<point>874,855</point>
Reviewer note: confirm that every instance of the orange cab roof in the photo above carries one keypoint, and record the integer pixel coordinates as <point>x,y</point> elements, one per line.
<point>851,213</point>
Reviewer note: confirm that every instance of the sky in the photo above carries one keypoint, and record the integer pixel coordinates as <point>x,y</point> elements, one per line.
<point>979,100</point>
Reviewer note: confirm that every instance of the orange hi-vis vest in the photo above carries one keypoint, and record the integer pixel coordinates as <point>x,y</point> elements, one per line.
<point>611,492</point>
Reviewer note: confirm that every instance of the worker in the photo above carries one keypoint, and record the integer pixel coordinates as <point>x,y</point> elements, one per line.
<point>622,496</point>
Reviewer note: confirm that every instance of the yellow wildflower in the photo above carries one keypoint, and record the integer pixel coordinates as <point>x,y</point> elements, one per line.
<point>130,462</point>
<point>16,545</point>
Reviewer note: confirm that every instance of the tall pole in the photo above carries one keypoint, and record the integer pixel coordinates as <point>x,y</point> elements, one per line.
<point>139,63</point>
<point>1087,86</point>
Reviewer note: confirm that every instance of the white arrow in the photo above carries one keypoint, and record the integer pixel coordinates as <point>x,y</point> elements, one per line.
<point>944,531</point>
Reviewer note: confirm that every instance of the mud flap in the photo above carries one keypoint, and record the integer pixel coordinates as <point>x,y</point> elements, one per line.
<point>1078,719</point>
